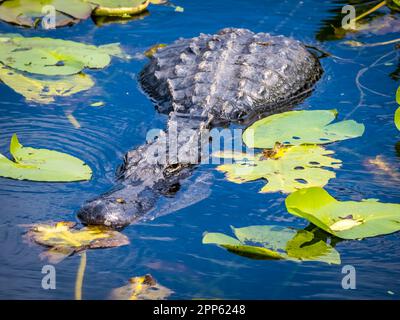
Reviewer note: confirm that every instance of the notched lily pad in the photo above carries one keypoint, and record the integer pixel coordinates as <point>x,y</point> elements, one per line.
<point>141,288</point>
<point>275,243</point>
<point>286,170</point>
<point>63,240</point>
<point>344,219</point>
<point>42,165</point>
<point>300,127</point>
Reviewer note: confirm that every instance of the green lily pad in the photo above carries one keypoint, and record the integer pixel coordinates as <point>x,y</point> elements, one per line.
<point>290,169</point>
<point>398,94</point>
<point>119,8</point>
<point>44,91</point>
<point>344,219</point>
<point>300,127</point>
<point>275,243</point>
<point>29,12</point>
<point>42,165</point>
<point>52,57</point>
<point>397,118</point>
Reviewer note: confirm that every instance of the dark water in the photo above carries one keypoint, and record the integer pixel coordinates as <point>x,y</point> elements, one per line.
<point>170,247</point>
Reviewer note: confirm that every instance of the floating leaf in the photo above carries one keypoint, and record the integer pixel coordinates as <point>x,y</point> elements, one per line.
<point>64,240</point>
<point>292,168</point>
<point>398,95</point>
<point>141,288</point>
<point>150,52</point>
<point>397,118</point>
<point>179,9</point>
<point>44,91</point>
<point>347,219</point>
<point>275,242</point>
<point>29,12</point>
<point>119,8</point>
<point>97,104</point>
<point>104,20</point>
<point>300,127</point>
<point>49,56</point>
<point>42,165</point>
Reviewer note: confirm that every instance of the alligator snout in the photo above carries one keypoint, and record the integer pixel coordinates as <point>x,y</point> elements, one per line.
<point>108,212</point>
<point>119,207</point>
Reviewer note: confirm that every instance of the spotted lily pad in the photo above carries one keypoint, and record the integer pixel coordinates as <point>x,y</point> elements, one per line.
<point>291,168</point>
<point>118,8</point>
<point>141,288</point>
<point>52,57</point>
<point>44,91</point>
<point>344,219</point>
<point>29,12</point>
<point>300,127</point>
<point>42,165</point>
<point>64,240</point>
<point>275,243</point>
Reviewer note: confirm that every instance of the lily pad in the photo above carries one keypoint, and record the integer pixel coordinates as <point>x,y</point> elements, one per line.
<point>64,240</point>
<point>344,219</point>
<point>290,169</point>
<point>44,91</point>
<point>398,95</point>
<point>29,12</point>
<point>42,165</point>
<point>300,127</point>
<point>275,243</point>
<point>52,57</point>
<point>119,8</point>
<point>397,118</point>
<point>141,288</point>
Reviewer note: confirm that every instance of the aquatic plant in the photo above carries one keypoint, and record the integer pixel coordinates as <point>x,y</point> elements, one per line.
<point>275,243</point>
<point>42,165</point>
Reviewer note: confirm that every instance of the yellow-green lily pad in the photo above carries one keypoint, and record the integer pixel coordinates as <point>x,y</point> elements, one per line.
<point>44,91</point>
<point>42,165</point>
<point>63,239</point>
<point>118,8</point>
<point>141,288</point>
<point>344,219</point>
<point>397,118</point>
<point>275,243</point>
<point>290,169</point>
<point>300,127</point>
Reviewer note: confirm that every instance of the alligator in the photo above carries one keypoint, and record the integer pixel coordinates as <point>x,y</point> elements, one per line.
<point>209,81</point>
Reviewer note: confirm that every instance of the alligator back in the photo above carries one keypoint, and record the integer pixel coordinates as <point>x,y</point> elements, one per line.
<point>229,76</point>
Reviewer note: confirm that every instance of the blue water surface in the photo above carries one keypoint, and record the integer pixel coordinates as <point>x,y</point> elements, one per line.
<point>356,82</point>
